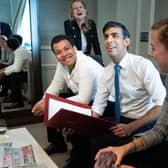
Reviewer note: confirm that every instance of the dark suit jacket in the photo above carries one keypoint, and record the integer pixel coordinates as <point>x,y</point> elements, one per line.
<point>72,29</point>
<point>5,29</point>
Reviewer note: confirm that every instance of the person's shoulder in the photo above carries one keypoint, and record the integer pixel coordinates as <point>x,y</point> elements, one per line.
<point>70,22</point>
<point>91,22</point>
<point>85,59</point>
<point>67,21</point>
<point>141,61</point>
<point>93,68</point>
<point>139,58</point>
<point>22,49</point>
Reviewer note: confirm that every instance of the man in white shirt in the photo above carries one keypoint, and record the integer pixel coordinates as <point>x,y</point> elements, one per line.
<point>75,71</point>
<point>141,90</point>
<point>14,74</point>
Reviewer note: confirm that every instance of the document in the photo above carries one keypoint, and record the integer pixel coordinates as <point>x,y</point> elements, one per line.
<point>16,157</point>
<point>63,113</point>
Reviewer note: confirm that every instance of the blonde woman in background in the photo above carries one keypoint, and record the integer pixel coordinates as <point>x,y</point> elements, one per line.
<point>81,29</point>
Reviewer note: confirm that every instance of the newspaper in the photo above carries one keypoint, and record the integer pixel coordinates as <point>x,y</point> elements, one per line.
<point>11,157</point>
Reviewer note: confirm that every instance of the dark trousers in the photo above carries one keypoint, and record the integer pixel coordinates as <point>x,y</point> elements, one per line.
<point>109,139</point>
<point>81,152</point>
<point>4,86</point>
<point>15,84</point>
<point>85,148</point>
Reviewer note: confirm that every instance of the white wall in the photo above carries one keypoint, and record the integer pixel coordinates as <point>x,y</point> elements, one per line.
<point>161,9</point>
<point>5,11</point>
<point>106,11</point>
<point>52,16</point>
<point>127,14</point>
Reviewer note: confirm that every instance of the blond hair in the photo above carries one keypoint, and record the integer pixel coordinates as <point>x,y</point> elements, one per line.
<point>85,26</point>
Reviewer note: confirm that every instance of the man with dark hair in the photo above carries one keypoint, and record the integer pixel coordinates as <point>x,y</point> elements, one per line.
<point>141,91</point>
<point>159,133</point>
<point>14,73</point>
<point>5,29</point>
<point>80,74</point>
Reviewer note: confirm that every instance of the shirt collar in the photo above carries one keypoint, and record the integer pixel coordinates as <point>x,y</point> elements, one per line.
<point>123,62</point>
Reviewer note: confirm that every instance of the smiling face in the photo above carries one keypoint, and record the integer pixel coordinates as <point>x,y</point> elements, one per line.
<point>159,51</point>
<point>115,44</point>
<point>65,53</point>
<point>78,10</point>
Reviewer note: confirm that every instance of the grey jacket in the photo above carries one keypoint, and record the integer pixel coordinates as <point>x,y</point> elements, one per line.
<point>160,130</point>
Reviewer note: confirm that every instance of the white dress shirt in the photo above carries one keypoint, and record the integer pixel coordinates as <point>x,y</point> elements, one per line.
<point>21,57</point>
<point>83,79</point>
<point>140,87</point>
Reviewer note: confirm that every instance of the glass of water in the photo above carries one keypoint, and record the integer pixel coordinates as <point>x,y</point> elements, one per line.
<point>3,127</point>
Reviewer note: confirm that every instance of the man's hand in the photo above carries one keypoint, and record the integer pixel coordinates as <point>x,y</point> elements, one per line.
<point>2,74</point>
<point>38,108</point>
<point>121,130</point>
<point>94,114</point>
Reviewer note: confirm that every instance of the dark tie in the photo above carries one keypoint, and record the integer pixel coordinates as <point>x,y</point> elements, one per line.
<point>117,93</point>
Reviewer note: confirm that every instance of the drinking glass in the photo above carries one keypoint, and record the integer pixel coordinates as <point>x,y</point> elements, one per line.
<point>3,127</point>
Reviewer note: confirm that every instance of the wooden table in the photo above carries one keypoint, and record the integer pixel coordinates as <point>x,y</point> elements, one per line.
<point>20,137</point>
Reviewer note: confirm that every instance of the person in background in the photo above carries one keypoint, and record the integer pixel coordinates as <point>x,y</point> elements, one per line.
<point>141,90</point>
<point>7,56</point>
<point>157,135</point>
<point>81,29</point>
<point>14,73</point>
<point>5,32</point>
<point>72,72</point>
<point>5,29</point>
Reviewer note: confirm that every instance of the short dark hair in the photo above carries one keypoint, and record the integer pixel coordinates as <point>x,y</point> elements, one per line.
<point>18,37</point>
<point>59,38</point>
<point>14,41</point>
<point>110,24</point>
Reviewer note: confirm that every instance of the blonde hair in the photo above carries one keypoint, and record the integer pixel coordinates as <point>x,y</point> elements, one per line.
<point>87,23</point>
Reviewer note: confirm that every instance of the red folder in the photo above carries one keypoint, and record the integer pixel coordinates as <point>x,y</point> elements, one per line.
<point>66,118</point>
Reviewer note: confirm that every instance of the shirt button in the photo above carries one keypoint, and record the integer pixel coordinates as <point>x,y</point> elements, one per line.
<point>74,36</point>
<point>73,27</point>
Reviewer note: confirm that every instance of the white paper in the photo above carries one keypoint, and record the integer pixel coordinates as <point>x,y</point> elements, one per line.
<point>55,105</point>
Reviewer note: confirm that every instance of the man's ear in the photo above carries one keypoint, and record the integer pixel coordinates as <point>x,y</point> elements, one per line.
<point>127,42</point>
